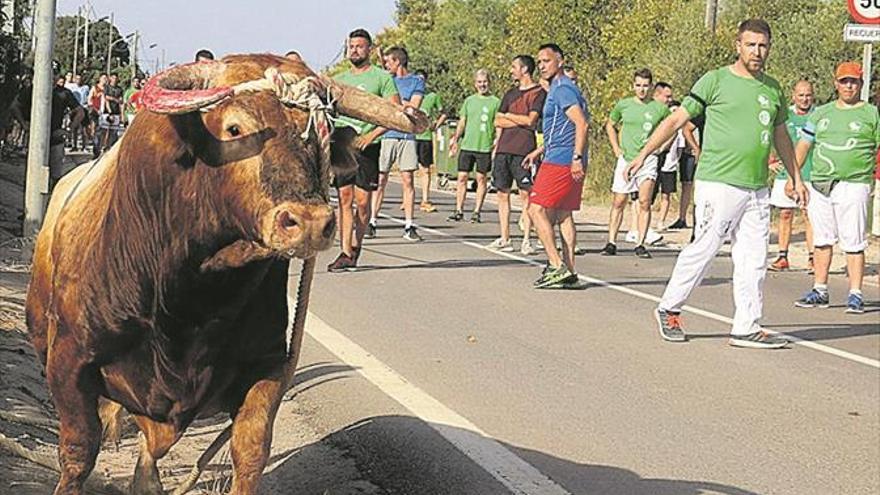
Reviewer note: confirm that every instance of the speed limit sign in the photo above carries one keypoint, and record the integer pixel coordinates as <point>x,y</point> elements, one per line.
<point>864,11</point>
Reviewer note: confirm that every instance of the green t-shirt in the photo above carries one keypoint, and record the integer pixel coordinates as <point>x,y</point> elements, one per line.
<point>637,121</point>
<point>479,129</point>
<point>432,106</point>
<point>795,124</point>
<point>741,114</point>
<point>374,81</point>
<point>845,142</point>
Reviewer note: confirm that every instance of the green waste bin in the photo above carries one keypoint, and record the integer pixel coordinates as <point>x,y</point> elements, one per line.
<point>447,168</point>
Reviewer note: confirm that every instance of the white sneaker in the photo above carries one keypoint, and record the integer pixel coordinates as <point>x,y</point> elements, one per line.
<point>632,236</point>
<point>526,249</point>
<point>501,245</point>
<point>539,245</point>
<point>653,237</point>
<point>521,223</point>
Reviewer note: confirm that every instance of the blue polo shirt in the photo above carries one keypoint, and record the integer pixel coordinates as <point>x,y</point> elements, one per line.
<point>558,129</point>
<point>408,86</point>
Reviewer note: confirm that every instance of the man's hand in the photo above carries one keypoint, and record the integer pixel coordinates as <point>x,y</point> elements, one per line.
<point>453,147</point>
<point>633,168</point>
<point>530,159</point>
<point>798,192</point>
<point>776,166</point>
<point>577,170</point>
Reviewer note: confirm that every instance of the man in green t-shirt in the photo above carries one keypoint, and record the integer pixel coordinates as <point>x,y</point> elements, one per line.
<point>745,114</point>
<point>798,113</point>
<point>637,116</point>
<point>476,121</point>
<point>358,186</point>
<point>432,105</point>
<point>845,136</point>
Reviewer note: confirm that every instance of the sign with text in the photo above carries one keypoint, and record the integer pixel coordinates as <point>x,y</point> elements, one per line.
<point>866,33</point>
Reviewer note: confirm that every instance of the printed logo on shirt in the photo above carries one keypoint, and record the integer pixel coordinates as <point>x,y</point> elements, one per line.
<point>764,101</point>
<point>765,137</point>
<point>764,117</point>
<point>822,124</point>
<point>855,126</point>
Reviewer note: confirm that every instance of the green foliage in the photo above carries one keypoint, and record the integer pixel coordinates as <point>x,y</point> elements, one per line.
<point>99,37</point>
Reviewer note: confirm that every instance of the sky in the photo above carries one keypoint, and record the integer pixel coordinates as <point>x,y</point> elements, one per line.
<point>315,28</point>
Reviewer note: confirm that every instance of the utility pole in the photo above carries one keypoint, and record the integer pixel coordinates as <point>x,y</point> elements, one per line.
<point>41,113</point>
<point>86,37</point>
<point>109,43</point>
<point>76,39</point>
<point>711,14</point>
<point>134,57</point>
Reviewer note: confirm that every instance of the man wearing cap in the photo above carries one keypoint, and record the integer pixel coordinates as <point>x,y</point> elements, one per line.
<point>845,135</point>
<point>745,114</point>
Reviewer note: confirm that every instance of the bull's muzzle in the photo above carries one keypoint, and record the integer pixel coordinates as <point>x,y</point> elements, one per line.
<point>299,230</point>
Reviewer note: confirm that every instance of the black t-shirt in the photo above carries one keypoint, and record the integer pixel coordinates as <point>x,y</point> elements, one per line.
<point>63,100</point>
<point>116,92</point>
<point>520,140</point>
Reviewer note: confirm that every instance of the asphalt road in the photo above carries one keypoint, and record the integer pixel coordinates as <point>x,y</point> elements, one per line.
<point>438,369</point>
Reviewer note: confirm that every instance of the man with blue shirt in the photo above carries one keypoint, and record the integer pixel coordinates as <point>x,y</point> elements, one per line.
<point>557,190</point>
<point>398,147</point>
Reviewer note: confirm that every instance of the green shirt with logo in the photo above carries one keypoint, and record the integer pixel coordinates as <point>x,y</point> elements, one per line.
<point>374,81</point>
<point>432,106</point>
<point>741,114</point>
<point>795,123</point>
<point>637,121</point>
<point>845,142</point>
<point>479,129</point>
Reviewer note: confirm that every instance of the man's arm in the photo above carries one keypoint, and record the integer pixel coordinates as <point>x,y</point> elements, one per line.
<point>459,130</point>
<point>688,132</point>
<point>364,140</point>
<point>613,138</point>
<point>785,151</point>
<point>661,134</point>
<point>440,120</point>
<point>528,121</point>
<point>581,128</point>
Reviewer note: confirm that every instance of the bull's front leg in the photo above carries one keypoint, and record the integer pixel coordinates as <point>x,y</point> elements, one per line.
<point>74,387</point>
<point>252,432</point>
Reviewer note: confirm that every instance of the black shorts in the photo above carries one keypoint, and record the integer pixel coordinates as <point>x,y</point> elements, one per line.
<point>425,152</point>
<point>508,168</point>
<point>687,167</point>
<point>366,176</point>
<point>665,184</point>
<point>467,160</point>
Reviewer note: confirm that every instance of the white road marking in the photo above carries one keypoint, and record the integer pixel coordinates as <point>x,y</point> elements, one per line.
<point>649,297</point>
<point>514,473</point>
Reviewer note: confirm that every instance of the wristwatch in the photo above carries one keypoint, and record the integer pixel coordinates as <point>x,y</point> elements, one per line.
<point>577,157</point>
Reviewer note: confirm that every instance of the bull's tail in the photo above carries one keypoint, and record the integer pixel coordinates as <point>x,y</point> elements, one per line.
<point>111,414</point>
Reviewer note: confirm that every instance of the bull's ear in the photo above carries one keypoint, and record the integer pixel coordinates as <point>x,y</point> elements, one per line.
<point>343,154</point>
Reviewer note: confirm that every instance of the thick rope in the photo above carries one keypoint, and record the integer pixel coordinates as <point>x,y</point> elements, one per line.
<point>303,294</point>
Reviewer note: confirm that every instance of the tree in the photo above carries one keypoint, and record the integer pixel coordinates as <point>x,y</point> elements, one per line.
<point>96,63</point>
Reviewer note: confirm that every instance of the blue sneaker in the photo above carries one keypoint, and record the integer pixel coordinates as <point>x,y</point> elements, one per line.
<point>813,299</point>
<point>855,303</point>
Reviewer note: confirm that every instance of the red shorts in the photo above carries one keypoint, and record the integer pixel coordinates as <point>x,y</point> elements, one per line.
<point>554,188</point>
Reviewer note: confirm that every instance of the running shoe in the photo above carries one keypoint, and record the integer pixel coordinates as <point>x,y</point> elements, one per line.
<point>427,207</point>
<point>642,252</point>
<point>521,223</point>
<point>678,225</point>
<point>610,249</point>
<point>371,231</point>
<point>457,216</point>
<point>632,237</point>
<point>476,218</point>
<point>580,251</point>
<point>552,277</point>
<point>500,244</point>
<point>855,303</point>
<point>757,340</point>
<point>813,299</point>
<point>652,237</point>
<point>526,249</point>
<point>342,263</point>
<point>781,264</point>
<point>669,325</point>
<point>539,245</point>
<point>411,234</point>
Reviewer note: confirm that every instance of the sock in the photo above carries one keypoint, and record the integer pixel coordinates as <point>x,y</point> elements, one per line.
<point>407,225</point>
<point>857,292</point>
<point>783,254</point>
<point>821,287</point>
<point>373,221</point>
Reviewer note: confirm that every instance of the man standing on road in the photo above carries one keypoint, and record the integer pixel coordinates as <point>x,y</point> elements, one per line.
<point>745,114</point>
<point>517,118</point>
<point>637,117</point>
<point>846,135</point>
<point>477,124</point>
<point>798,114</point>
<point>398,147</point>
<point>357,187</point>
<point>432,105</point>
<point>560,180</point>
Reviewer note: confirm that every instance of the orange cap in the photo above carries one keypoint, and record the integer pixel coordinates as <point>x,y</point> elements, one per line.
<point>848,69</point>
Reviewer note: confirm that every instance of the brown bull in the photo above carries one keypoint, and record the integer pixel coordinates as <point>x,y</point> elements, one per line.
<point>160,273</point>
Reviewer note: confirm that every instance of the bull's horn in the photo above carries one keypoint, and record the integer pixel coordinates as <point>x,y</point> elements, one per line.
<point>363,106</point>
<point>185,88</point>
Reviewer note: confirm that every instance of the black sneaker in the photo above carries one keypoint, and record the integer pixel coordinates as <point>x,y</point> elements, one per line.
<point>610,249</point>
<point>370,232</point>
<point>475,217</point>
<point>642,252</point>
<point>342,263</point>
<point>580,251</point>
<point>411,234</point>
<point>455,217</point>
<point>757,340</point>
<point>669,325</point>
<point>678,225</point>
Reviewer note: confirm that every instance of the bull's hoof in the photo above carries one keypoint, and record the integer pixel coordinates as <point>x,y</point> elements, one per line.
<point>146,481</point>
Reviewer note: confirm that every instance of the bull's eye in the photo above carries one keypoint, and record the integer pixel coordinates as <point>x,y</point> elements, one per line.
<point>233,130</point>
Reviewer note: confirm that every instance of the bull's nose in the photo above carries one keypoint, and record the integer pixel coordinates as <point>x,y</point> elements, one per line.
<point>294,223</point>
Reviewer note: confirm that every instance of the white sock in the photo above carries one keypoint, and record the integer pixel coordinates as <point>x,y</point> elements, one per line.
<point>407,225</point>
<point>373,221</point>
<point>857,292</point>
<point>821,287</point>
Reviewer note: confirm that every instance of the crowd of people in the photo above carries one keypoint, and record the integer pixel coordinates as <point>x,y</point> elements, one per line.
<point>720,143</point>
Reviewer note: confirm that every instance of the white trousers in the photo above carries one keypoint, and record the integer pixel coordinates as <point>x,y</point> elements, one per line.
<point>743,215</point>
